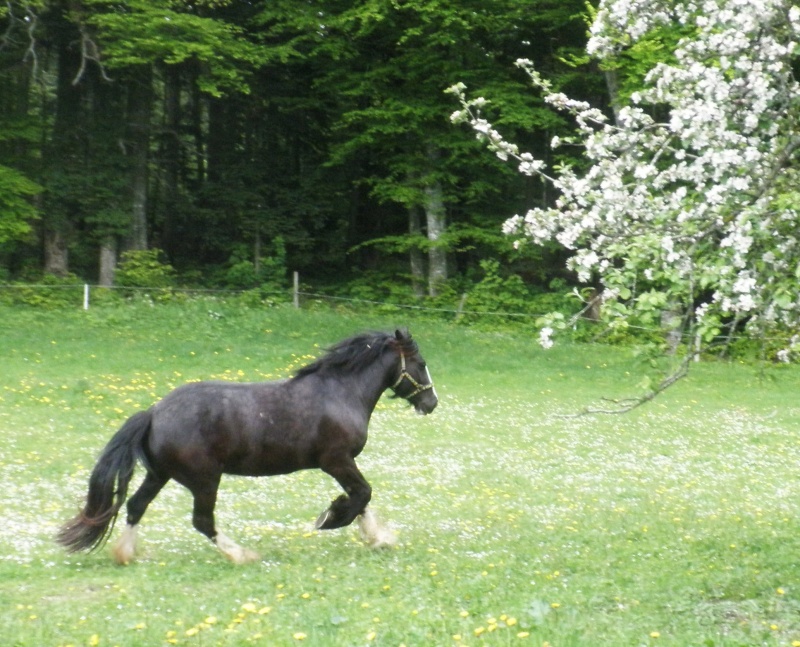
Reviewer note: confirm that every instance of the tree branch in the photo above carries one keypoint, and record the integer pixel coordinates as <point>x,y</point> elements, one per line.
<point>89,52</point>
<point>629,404</point>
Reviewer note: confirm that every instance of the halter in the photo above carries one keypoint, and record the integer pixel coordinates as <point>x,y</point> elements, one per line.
<point>404,374</point>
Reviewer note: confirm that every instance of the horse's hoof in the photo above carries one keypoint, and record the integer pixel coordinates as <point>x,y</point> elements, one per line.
<point>319,524</point>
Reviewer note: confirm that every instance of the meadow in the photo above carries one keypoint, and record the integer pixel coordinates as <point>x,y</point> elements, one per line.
<point>675,524</point>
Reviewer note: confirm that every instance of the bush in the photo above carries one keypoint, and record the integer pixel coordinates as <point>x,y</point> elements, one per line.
<point>142,268</point>
<point>49,291</point>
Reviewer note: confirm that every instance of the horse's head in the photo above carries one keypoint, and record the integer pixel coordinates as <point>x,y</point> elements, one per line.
<point>413,381</point>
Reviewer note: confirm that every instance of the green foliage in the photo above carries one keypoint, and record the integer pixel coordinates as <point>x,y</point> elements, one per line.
<point>16,208</point>
<point>496,292</point>
<point>144,269</point>
<point>48,291</point>
<point>241,275</point>
<point>142,32</point>
<point>380,289</point>
<point>271,274</point>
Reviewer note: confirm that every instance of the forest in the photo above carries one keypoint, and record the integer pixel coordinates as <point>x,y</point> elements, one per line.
<point>235,141</point>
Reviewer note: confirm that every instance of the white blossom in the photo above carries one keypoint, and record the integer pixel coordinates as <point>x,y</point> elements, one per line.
<point>545,337</point>
<point>692,203</point>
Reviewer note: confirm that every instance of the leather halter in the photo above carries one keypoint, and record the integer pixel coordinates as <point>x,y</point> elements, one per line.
<point>405,375</point>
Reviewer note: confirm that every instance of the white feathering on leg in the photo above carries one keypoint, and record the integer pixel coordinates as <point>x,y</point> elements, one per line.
<point>234,551</point>
<point>125,548</point>
<point>373,532</point>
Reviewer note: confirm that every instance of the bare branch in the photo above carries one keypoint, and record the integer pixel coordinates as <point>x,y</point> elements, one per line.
<point>89,52</point>
<point>6,37</point>
<point>629,404</point>
<point>33,20</point>
<point>28,24</point>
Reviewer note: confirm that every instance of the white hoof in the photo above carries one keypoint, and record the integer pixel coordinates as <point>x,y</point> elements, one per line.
<point>373,532</point>
<point>234,551</point>
<point>125,548</point>
<point>322,519</point>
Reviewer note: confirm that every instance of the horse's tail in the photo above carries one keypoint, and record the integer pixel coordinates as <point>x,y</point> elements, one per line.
<point>108,486</point>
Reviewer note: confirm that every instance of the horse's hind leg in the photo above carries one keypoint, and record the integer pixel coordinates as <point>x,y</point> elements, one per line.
<point>125,548</point>
<point>205,500</point>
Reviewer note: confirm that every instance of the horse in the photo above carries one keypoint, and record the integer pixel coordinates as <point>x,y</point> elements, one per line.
<point>316,419</point>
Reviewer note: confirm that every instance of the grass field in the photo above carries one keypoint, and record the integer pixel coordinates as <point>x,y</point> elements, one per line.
<point>676,524</point>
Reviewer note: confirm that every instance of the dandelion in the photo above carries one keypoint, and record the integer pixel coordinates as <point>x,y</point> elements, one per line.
<point>655,634</point>
<point>371,636</point>
<point>525,634</point>
<point>299,635</point>
<point>94,640</point>
<point>249,607</point>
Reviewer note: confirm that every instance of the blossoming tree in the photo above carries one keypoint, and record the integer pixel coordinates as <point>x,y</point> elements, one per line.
<point>690,201</point>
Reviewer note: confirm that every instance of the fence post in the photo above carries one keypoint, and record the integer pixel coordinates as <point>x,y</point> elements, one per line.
<point>85,296</point>
<point>461,303</point>
<point>296,289</point>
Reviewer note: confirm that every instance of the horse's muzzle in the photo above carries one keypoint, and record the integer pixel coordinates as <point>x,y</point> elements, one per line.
<point>425,403</point>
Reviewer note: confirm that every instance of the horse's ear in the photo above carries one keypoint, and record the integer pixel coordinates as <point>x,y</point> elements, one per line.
<point>401,335</point>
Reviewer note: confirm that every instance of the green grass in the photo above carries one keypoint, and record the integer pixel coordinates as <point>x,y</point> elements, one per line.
<point>676,524</point>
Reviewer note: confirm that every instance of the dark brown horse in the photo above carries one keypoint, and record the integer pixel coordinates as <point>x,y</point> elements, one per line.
<point>200,431</point>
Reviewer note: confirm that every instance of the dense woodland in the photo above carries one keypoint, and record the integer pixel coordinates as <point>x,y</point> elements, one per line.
<point>244,139</point>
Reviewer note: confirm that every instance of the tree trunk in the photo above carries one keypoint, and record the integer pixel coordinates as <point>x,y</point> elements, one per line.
<point>108,261</point>
<point>220,140</point>
<point>416,256</point>
<point>140,98</point>
<point>612,85</point>
<point>56,254</point>
<point>437,254</point>
<point>171,158</point>
<point>257,251</point>
<point>65,157</point>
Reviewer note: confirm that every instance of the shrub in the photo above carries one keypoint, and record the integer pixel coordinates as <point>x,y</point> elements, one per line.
<point>142,268</point>
<point>49,291</point>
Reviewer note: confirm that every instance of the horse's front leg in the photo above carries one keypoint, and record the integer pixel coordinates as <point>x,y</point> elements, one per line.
<point>357,492</point>
<point>348,506</point>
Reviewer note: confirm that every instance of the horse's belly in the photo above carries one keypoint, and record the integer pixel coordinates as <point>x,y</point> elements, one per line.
<point>268,461</point>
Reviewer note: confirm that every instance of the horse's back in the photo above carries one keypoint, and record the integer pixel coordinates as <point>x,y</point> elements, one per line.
<point>240,428</point>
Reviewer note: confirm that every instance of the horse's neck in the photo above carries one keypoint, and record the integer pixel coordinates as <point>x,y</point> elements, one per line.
<point>369,383</point>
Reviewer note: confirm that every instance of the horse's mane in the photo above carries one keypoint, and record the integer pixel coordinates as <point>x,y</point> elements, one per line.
<point>358,351</point>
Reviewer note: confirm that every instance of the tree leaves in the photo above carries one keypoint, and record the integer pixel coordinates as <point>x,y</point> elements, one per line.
<point>16,208</point>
